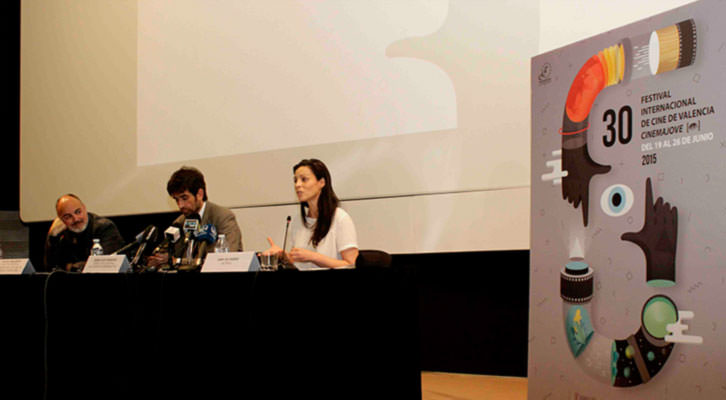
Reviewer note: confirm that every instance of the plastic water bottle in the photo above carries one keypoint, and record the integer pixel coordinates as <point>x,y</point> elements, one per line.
<point>96,250</point>
<point>221,246</point>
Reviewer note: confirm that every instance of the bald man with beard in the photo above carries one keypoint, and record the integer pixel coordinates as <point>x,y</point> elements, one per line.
<point>71,235</point>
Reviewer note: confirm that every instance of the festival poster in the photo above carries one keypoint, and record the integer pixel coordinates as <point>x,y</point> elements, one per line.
<point>628,239</point>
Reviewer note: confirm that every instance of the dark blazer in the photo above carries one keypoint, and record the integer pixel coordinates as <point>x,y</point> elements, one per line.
<point>69,247</point>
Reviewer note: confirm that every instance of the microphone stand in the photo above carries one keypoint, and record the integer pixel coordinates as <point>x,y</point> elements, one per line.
<point>127,247</point>
<point>282,262</point>
<point>284,241</point>
<point>186,262</point>
<point>191,225</point>
<point>137,257</point>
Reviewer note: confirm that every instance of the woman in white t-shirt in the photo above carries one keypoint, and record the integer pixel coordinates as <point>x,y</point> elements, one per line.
<point>324,234</point>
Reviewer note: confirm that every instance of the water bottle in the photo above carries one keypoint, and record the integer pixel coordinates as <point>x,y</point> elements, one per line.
<point>96,250</point>
<point>221,246</point>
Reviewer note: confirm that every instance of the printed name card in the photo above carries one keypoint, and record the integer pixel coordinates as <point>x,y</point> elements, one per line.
<point>110,264</point>
<point>16,266</point>
<point>242,261</point>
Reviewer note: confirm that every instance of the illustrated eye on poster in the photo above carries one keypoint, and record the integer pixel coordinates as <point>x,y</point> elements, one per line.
<point>617,200</point>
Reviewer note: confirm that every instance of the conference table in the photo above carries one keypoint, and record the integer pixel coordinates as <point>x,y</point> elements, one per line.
<point>344,334</point>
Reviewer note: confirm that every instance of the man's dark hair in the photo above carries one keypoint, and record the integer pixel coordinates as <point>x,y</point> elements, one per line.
<point>186,178</point>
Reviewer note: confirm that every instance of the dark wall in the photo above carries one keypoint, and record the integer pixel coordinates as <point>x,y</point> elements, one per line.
<point>9,154</point>
<point>473,311</point>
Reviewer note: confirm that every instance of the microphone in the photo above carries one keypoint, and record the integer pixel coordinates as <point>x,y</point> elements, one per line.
<point>207,235</point>
<point>151,236</point>
<point>138,239</point>
<point>191,225</point>
<point>287,226</point>
<point>172,235</point>
<point>283,261</point>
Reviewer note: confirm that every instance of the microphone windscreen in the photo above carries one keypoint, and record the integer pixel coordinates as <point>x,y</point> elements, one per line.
<point>153,235</point>
<point>191,225</point>
<point>144,235</point>
<point>172,233</point>
<point>208,233</point>
<point>148,230</point>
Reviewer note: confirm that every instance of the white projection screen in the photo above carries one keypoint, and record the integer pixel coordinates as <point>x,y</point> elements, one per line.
<point>420,108</point>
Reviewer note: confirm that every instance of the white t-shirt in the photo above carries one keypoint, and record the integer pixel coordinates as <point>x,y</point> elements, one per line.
<point>341,236</point>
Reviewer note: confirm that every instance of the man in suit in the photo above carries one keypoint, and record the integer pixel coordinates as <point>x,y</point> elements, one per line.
<point>187,187</point>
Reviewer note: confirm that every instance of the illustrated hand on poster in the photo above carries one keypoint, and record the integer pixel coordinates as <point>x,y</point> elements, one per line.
<point>580,169</point>
<point>657,239</point>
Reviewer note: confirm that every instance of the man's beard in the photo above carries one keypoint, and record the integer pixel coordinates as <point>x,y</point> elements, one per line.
<point>81,229</point>
<point>188,212</point>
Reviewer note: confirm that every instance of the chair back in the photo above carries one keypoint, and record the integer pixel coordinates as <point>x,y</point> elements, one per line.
<point>373,259</point>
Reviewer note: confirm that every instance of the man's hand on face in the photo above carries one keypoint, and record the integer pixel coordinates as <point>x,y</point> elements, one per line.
<point>57,227</point>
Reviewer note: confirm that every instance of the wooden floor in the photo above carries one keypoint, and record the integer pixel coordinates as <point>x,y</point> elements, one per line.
<point>446,386</point>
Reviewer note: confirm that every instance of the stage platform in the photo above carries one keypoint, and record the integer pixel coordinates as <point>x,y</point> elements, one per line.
<point>447,386</point>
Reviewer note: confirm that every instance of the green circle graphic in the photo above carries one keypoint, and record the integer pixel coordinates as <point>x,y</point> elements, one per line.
<point>658,312</point>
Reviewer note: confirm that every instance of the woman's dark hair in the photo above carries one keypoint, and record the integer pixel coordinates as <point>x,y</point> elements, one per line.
<point>186,178</point>
<point>327,201</point>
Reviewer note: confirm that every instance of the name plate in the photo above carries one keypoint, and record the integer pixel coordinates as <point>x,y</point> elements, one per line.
<point>241,261</point>
<point>111,264</point>
<point>16,266</point>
